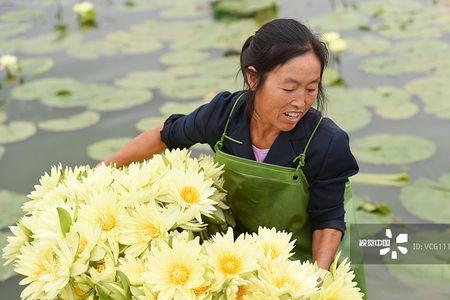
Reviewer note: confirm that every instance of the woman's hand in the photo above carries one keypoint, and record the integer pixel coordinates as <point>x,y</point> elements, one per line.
<point>325,243</point>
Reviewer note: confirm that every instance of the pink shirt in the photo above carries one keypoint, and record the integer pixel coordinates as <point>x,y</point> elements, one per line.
<point>260,154</point>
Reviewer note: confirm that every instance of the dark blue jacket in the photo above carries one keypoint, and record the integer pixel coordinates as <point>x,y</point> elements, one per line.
<point>329,161</point>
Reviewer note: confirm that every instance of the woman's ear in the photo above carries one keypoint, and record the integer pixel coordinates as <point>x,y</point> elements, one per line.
<point>252,77</point>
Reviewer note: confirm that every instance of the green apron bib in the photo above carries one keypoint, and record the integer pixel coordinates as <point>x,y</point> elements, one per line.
<point>261,194</point>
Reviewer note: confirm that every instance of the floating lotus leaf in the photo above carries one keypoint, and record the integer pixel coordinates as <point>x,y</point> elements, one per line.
<point>367,45</point>
<point>370,216</point>
<point>22,15</point>
<point>91,49</point>
<point>434,91</point>
<point>330,77</point>
<point>183,57</point>
<point>103,149</point>
<point>224,66</point>
<point>16,131</point>
<point>49,43</point>
<point>142,5</point>
<point>243,8</point>
<point>9,46</point>
<point>191,87</point>
<point>144,79</point>
<point>392,149</point>
<point>427,199</point>
<point>45,87</point>
<point>5,271</point>
<point>391,103</point>
<point>34,66</point>
<point>165,31</point>
<point>75,122</point>
<point>12,29</point>
<point>186,9</point>
<point>3,116</point>
<point>119,99</point>
<point>170,108</point>
<point>346,108</point>
<point>10,207</point>
<point>150,122</point>
<point>76,94</point>
<point>2,151</point>
<point>130,43</point>
<point>340,19</point>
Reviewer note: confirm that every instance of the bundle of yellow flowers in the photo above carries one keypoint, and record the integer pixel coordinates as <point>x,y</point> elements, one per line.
<point>140,232</point>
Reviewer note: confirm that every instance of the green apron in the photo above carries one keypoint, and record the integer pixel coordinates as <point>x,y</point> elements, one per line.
<point>262,194</point>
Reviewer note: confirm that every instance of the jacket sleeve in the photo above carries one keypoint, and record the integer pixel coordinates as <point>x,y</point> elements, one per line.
<point>203,125</point>
<point>326,207</point>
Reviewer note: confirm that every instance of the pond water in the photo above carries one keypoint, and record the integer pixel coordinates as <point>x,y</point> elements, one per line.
<point>394,102</point>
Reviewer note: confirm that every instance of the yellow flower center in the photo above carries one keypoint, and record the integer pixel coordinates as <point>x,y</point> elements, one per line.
<point>190,194</point>
<point>272,249</point>
<point>152,230</point>
<point>82,245</point>
<point>101,266</point>
<point>201,290</point>
<point>39,270</point>
<point>108,221</point>
<point>230,264</point>
<point>179,275</point>
<point>284,280</point>
<point>78,291</point>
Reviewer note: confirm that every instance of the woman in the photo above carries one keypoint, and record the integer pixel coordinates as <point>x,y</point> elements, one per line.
<point>286,166</point>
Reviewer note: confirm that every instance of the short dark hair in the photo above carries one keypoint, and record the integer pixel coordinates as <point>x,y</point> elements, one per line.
<point>275,43</point>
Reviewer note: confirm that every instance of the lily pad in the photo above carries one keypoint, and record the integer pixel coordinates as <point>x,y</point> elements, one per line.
<point>191,87</point>
<point>119,99</point>
<point>346,108</point>
<point>5,271</point>
<point>34,66</point>
<point>367,45</point>
<point>3,116</point>
<point>91,50</point>
<point>142,5</point>
<point>169,108</point>
<point>183,57</point>
<point>331,77</point>
<point>340,19</point>
<point>49,43</point>
<point>392,149</point>
<point>10,207</point>
<point>144,79</point>
<point>150,122</point>
<point>391,103</point>
<point>75,122</point>
<point>105,148</point>
<point>9,46</point>
<point>16,131</point>
<point>368,212</point>
<point>434,92</point>
<point>243,8</point>
<point>428,199</point>
<point>22,15</point>
<point>186,9</point>
<point>11,29</point>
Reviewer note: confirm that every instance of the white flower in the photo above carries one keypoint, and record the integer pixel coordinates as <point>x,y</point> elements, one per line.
<point>329,37</point>
<point>230,258</point>
<point>338,45</point>
<point>133,268</point>
<point>83,7</point>
<point>274,244</point>
<point>21,236</point>
<point>9,63</point>
<point>176,271</point>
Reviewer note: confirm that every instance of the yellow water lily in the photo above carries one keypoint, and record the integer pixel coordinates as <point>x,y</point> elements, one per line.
<point>274,244</point>
<point>174,272</point>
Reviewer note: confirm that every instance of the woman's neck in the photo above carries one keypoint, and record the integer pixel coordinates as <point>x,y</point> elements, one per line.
<point>262,133</point>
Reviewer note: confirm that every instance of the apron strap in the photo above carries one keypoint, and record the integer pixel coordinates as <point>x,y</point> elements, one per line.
<point>224,136</point>
<point>302,156</point>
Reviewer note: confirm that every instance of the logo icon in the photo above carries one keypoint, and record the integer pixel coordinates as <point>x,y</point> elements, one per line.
<point>400,239</point>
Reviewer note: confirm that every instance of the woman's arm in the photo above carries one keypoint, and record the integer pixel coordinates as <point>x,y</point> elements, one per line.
<point>324,246</point>
<point>138,149</point>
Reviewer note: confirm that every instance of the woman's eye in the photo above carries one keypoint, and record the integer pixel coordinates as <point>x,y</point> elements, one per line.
<point>288,90</point>
<point>311,90</point>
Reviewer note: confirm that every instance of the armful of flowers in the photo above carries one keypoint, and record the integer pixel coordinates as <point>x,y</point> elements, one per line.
<point>155,230</point>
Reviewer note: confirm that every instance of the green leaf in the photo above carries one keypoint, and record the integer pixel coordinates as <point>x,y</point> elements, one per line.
<point>65,220</point>
<point>75,122</point>
<point>16,131</point>
<point>10,207</point>
<point>5,271</point>
<point>428,199</point>
<point>392,149</point>
<point>8,30</point>
<point>22,15</point>
<point>367,45</point>
<point>150,122</point>
<point>34,66</point>
<point>105,148</point>
<point>125,282</point>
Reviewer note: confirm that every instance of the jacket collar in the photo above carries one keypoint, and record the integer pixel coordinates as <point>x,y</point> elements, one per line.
<point>287,145</point>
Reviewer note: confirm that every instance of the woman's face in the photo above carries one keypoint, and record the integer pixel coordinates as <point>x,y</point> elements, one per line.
<point>288,92</point>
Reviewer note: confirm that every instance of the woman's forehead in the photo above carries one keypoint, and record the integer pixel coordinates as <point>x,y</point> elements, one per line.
<point>301,69</point>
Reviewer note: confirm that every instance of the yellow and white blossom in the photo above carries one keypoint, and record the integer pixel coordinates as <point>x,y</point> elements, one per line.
<point>9,62</point>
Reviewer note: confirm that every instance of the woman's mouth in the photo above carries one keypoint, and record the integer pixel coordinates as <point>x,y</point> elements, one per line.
<point>292,115</point>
